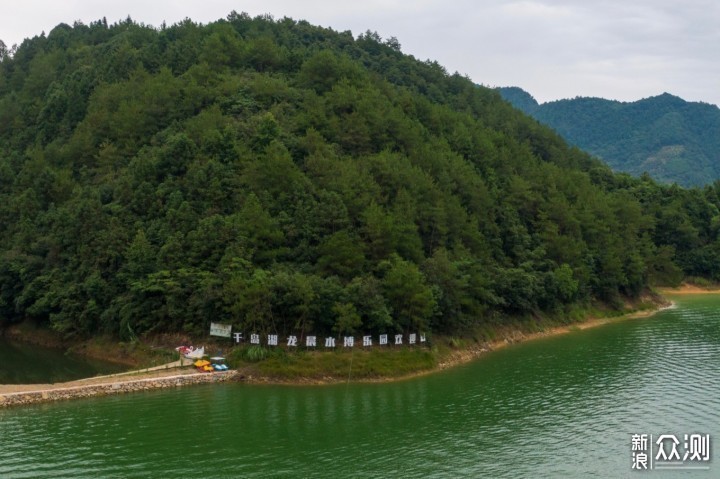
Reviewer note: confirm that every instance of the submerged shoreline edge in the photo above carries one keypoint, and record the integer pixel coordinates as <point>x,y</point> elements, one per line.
<point>19,395</point>
<point>63,392</point>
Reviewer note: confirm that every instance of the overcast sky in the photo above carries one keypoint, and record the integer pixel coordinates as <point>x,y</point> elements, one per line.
<point>617,49</point>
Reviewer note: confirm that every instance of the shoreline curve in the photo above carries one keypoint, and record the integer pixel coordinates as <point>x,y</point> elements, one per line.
<point>172,376</point>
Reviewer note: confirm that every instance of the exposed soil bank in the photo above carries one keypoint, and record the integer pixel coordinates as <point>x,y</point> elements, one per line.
<point>449,357</point>
<point>690,289</point>
<point>138,354</point>
<point>462,356</point>
<point>18,394</point>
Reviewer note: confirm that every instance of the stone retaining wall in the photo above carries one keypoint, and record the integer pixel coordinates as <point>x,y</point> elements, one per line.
<point>116,387</point>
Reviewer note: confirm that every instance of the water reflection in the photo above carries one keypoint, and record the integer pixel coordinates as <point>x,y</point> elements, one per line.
<point>563,406</point>
<point>30,364</point>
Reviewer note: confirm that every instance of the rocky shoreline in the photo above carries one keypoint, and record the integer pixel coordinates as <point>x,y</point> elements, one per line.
<point>164,377</point>
<point>63,393</point>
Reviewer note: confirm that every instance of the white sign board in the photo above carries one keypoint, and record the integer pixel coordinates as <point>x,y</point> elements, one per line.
<point>222,330</point>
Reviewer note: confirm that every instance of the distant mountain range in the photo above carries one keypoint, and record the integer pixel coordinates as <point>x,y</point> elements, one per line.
<point>673,140</point>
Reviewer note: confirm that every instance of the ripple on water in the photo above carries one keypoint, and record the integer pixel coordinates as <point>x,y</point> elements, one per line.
<point>557,407</point>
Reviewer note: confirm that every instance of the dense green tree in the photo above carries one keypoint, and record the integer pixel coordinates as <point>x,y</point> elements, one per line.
<point>672,140</point>
<point>341,254</point>
<point>409,296</point>
<point>289,179</point>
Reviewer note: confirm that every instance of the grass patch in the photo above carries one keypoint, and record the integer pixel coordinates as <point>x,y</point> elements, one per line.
<point>486,333</point>
<point>253,354</point>
<point>356,364</point>
<point>701,282</point>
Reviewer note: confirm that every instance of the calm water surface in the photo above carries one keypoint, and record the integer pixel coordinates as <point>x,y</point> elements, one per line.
<point>29,364</point>
<point>556,407</point>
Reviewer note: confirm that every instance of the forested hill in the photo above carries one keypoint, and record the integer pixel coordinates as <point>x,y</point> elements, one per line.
<point>672,140</point>
<point>288,178</point>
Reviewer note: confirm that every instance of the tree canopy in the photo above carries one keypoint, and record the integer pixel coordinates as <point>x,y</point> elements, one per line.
<point>288,178</point>
<point>672,140</point>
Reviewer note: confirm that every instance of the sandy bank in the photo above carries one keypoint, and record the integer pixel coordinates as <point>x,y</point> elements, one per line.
<point>462,356</point>
<point>689,289</point>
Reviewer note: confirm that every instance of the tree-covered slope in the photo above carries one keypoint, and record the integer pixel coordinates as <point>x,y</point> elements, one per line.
<point>672,140</point>
<point>287,178</point>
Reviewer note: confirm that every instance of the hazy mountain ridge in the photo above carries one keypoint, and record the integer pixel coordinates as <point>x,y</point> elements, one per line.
<point>671,139</point>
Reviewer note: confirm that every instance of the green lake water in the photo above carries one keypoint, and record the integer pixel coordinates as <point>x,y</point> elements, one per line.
<point>29,364</point>
<point>564,406</point>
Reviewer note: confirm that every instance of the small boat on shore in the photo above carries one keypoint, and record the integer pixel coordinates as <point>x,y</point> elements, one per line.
<point>190,352</point>
<point>203,365</point>
<point>196,353</point>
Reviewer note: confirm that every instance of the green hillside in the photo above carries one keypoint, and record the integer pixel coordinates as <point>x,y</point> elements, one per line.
<point>672,140</point>
<point>287,178</point>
